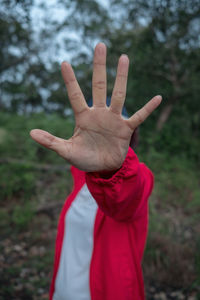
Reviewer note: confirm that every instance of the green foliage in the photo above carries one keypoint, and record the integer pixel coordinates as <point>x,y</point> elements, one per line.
<point>22,180</point>
<point>17,143</point>
<point>22,216</point>
<point>176,180</point>
<point>197,262</point>
<point>16,181</point>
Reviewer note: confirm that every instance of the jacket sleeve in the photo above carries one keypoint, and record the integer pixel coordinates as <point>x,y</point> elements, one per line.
<point>124,195</point>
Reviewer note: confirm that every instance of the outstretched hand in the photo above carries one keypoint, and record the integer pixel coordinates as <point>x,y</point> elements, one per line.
<point>101,137</point>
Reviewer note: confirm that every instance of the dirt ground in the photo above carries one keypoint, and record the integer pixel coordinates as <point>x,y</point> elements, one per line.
<point>26,261</point>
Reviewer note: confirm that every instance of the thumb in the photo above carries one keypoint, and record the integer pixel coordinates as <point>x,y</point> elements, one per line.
<point>50,141</point>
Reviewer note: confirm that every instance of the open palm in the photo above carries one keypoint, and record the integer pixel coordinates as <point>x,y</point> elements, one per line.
<point>101,137</point>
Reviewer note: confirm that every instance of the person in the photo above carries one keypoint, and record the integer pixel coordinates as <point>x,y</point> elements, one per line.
<point>102,228</point>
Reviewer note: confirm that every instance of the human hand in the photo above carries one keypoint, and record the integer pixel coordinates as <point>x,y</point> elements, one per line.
<point>101,136</point>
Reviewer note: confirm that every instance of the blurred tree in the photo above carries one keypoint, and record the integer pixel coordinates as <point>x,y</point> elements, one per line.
<point>163,39</point>
<point>18,70</point>
<point>30,75</point>
<point>90,21</point>
<point>160,37</point>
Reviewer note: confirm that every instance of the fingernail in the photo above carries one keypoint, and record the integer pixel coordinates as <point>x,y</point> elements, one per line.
<point>124,60</point>
<point>101,48</point>
<point>159,97</point>
<point>124,57</point>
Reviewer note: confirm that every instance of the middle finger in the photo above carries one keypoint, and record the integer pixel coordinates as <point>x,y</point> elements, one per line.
<point>99,76</point>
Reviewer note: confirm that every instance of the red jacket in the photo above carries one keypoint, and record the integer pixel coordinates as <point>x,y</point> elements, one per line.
<point>120,230</point>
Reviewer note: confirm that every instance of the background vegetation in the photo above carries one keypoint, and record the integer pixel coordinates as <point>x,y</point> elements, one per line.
<point>163,44</point>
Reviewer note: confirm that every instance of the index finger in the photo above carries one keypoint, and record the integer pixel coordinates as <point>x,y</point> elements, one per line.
<point>75,94</point>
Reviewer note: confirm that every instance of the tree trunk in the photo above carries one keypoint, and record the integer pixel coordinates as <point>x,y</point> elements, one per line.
<point>164,115</point>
